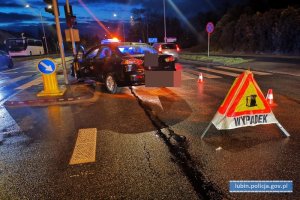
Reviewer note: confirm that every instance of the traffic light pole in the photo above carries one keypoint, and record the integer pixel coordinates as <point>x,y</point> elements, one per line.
<point>71,30</point>
<point>60,41</point>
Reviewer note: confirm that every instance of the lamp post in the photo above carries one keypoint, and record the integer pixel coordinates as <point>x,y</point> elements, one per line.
<point>42,22</point>
<point>115,15</point>
<point>165,28</point>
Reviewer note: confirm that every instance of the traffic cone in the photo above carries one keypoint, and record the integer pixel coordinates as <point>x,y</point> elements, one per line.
<point>270,98</point>
<point>200,78</point>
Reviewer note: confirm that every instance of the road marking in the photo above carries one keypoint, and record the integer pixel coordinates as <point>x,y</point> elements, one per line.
<point>218,71</point>
<point>186,77</point>
<point>8,125</point>
<point>242,70</point>
<point>31,83</point>
<point>85,147</point>
<point>9,72</point>
<point>14,80</point>
<point>29,72</point>
<point>203,74</point>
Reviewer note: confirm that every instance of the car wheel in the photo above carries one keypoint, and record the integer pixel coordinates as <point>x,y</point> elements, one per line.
<point>110,83</point>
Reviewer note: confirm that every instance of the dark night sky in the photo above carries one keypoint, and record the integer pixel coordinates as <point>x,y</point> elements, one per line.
<point>14,11</point>
<point>15,17</point>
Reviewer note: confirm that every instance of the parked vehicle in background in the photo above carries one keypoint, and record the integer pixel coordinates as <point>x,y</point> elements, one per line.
<point>5,60</point>
<point>24,46</point>
<point>167,48</point>
<point>119,64</point>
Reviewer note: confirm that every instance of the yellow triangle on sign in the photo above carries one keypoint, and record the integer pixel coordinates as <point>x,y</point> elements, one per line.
<point>250,101</point>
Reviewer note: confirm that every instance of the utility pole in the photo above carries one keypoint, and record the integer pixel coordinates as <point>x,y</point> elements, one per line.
<point>45,39</point>
<point>42,22</point>
<point>165,38</point>
<point>60,41</point>
<point>71,29</point>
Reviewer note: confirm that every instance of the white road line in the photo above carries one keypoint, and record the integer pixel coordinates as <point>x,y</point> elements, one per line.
<point>29,71</point>
<point>7,123</point>
<point>14,80</point>
<point>218,71</point>
<point>37,81</point>
<point>85,147</point>
<point>9,72</point>
<point>203,74</point>
<point>186,77</point>
<point>242,70</point>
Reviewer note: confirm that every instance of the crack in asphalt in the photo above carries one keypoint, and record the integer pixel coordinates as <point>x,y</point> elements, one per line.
<point>178,147</point>
<point>148,160</point>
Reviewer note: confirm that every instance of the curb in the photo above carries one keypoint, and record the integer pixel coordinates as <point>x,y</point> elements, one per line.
<point>47,101</point>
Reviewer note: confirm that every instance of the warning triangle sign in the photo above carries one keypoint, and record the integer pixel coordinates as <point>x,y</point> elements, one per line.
<point>244,105</point>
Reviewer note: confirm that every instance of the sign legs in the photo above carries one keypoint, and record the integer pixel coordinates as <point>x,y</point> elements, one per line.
<point>207,128</point>
<point>283,130</point>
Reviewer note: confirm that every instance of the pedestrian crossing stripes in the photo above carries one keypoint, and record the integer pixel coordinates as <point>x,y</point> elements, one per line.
<point>204,74</point>
<point>10,72</point>
<point>242,70</point>
<point>11,81</point>
<point>218,71</point>
<point>31,83</point>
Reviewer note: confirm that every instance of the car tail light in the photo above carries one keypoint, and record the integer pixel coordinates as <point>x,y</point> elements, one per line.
<point>177,48</point>
<point>170,59</point>
<point>131,64</point>
<point>160,49</point>
<point>132,61</point>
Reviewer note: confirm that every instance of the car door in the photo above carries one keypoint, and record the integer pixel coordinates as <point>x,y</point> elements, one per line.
<point>87,65</point>
<point>106,61</point>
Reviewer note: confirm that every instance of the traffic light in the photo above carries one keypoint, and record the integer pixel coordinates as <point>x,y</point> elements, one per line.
<point>50,8</point>
<point>70,18</point>
<point>71,21</point>
<point>66,10</point>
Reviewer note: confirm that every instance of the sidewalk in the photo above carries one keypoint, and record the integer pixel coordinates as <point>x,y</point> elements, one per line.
<point>75,93</point>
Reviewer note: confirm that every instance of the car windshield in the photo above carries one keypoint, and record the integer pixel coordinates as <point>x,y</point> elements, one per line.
<point>136,49</point>
<point>168,46</point>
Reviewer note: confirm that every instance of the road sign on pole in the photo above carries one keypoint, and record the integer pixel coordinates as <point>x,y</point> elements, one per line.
<point>209,29</point>
<point>48,67</point>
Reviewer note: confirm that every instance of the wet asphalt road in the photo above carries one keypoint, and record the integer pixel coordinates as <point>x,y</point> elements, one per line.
<point>149,146</point>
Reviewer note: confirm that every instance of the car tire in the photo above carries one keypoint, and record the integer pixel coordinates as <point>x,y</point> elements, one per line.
<point>110,83</point>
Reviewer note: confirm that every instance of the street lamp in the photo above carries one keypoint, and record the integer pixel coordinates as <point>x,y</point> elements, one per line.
<point>165,28</point>
<point>41,18</point>
<point>115,15</point>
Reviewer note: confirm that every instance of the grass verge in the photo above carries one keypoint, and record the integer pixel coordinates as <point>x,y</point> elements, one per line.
<point>215,59</point>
